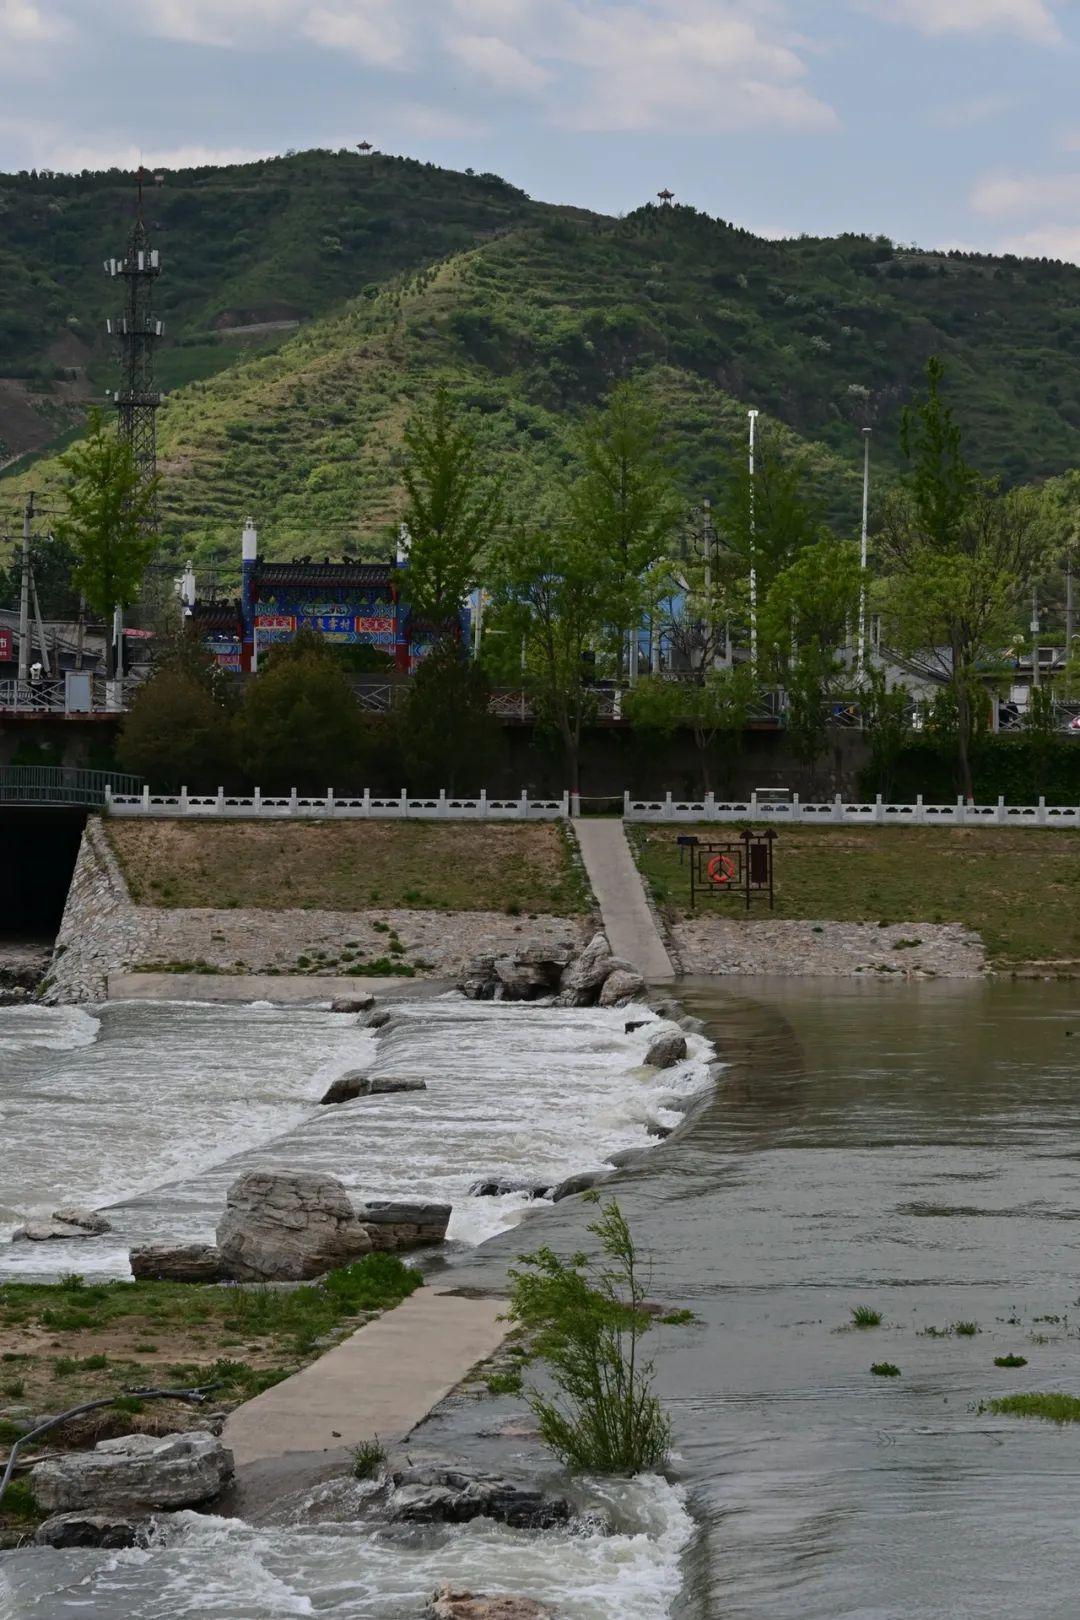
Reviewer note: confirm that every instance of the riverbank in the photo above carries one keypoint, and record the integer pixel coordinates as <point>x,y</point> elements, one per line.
<point>905,901</point>
<point>355,901</point>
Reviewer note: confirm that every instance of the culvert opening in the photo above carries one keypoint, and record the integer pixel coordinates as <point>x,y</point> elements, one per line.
<point>38,848</point>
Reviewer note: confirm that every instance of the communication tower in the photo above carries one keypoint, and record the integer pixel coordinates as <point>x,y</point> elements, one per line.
<point>137,332</point>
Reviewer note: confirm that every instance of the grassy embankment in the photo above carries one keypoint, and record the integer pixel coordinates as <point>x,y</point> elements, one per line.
<point>1019,889</point>
<point>63,1344</point>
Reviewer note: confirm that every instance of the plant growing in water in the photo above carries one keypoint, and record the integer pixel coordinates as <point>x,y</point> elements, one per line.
<point>865,1316</point>
<point>966,1330</point>
<point>369,1459</point>
<point>885,1369</point>
<point>1056,1408</point>
<point>587,1320</point>
<point>1010,1361</point>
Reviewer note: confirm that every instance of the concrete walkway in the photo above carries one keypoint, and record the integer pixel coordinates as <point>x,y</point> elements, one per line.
<point>381,1381</point>
<point>617,885</point>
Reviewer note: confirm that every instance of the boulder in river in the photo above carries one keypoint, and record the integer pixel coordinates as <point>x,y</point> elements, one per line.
<point>404,1226</point>
<point>454,1603</point>
<point>177,1262</point>
<point>620,987</point>
<point>499,1186</point>
<point>591,968</point>
<point>436,1494</point>
<point>134,1473</point>
<point>64,1223</point>
<point>107,1530</point>
<point>666,1051</point>
<point>347,1087</point>
<point>352,1004</point>
<point>282,1226</point>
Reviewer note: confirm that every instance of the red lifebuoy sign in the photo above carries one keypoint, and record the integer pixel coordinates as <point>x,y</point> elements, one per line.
<point>721,870</point>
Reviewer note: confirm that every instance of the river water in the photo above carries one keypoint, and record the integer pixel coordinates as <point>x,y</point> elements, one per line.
<point>913,1148</point>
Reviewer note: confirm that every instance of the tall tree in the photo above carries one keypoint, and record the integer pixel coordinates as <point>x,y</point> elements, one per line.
<point>772,516</point>
<point>448,737</point>
<point>714,708</point>
<point>451,513</point>
<point>623,507</point>
<point>300,725</point>
<point>959,553</point>
<point>110,522</point>
<point>552,591</point>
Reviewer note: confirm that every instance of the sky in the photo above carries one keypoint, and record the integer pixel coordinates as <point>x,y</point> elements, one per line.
<point>946,123</point>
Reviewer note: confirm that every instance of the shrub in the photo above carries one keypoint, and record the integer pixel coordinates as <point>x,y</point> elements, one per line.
<point>588,1320</point>
<point>369,1459</point>
<point>885,1369</point>
<point>865,1316</point>
<point>1010,1361</point>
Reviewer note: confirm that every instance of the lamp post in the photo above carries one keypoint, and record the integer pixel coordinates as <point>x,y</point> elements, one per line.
<point>753,416</point>
<point>863,547</point>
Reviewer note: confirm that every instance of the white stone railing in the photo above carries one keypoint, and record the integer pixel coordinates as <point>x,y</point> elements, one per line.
<point>813,812</point>
<point>264,806</point>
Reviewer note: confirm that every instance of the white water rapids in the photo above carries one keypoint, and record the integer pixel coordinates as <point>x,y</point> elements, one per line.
<point>162,1105</point>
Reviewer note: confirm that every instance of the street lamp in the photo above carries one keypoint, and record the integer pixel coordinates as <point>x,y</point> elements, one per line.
<point>867,435</point>
<point>753,416</point>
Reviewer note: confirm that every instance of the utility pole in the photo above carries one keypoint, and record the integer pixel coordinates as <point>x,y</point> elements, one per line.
<point>1035,640</point>
<point>753,415</point>
<point>24,593</point>
<point>863,550</point>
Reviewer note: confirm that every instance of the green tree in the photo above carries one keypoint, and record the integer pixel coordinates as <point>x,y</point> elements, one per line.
<point>551,591</point>
<point>586,1324</point>
<point>886,714</point>
<point>300,725</point>
<point>451,513</point>
<point>448,737</point>
<point>623,508</point>
<point>959,553</point>
<point>110,522</point>
<point>1040,725</point>
<point>770,518</point>
<point>714,705</point>
<point>178,733</point>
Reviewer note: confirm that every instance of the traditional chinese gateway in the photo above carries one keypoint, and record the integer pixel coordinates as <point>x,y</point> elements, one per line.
<point>346,603</point>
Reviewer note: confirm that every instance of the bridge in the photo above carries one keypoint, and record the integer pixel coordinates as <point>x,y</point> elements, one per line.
<point>65,785</point>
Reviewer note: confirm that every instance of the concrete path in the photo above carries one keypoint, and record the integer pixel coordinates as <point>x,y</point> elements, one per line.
<point>381,1381</point>
<point>281,987</point>
<point>617,885</point>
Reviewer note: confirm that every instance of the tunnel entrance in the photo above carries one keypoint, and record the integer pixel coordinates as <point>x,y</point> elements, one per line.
<point>38,848</point>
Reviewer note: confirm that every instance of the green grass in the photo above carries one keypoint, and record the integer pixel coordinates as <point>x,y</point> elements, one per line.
<point>983,877</point>
<point>885,1369</point>
<point>1054,1408</point>
<point>865,1316</point>
<point>966,1330</point>
<point>1010,1361</point>
<point>503,1383</point>
<point>369,1459</point>
<point>338,866</point>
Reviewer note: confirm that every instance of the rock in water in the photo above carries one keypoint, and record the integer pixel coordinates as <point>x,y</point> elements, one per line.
<point>591,968</point>
<point>347,1087</point>
<point>109,1530</point>
<point>88,1219</point>
<point>352,1004</point>
<point>49,1231</point>
<point>404,1226</point>
<point>499,1187</point>
<point>436,1494</point>
<point>620,987</point>
<point>452,1603</point>
<point>181,1262</point>
<point>133,1474</point>
<point>666,1051</point>
<point>285,1227</point>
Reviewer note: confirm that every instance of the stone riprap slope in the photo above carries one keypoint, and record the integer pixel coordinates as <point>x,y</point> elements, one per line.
<point>828,949</point>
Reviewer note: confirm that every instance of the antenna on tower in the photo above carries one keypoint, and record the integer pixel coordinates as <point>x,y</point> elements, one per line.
<point>137,332</point>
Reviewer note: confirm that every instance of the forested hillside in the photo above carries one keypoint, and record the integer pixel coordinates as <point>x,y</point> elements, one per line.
<point>404,275</point>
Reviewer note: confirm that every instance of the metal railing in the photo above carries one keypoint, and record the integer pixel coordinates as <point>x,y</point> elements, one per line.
<point>62,784</point>
<point>86,694</point>
<point>816,812</point>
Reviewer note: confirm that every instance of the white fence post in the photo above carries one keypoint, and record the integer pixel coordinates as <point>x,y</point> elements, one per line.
<point>668,809</point>
<point>565,803</point>
<point>367,802</point>
<point>256,801</point>
<point>146,801</point>
<point>920,814</point>
<point>753,805</point>
<point>405,801</point>
<point>220,807</point>
<point>1041,816</point>
<point>838,808</point>
<point>483,807</point>
<point>293,806</point>
<point>444,810</point>
<point>329,801</point>
<point>108,794</point>
<point>183,801</point>
<point>1001,817</point>
<point>879,809</point>
<point>710,807</point>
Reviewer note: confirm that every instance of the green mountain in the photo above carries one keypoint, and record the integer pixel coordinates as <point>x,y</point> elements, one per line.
<point>404,275</point>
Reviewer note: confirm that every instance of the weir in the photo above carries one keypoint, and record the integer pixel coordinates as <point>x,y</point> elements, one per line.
<point>38,849</point>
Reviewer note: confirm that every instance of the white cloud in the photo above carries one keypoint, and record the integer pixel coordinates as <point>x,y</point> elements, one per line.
<point>497,62</point>
<point>1045,242</point>
<point>1005,194</point>
<point>23,22</point>
<point>1030,19</point>
<point>370,30</point>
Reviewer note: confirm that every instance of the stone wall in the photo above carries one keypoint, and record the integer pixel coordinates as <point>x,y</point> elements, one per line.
<point>104,932</point>
<point>721,945</point>
<point>101,931</point>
